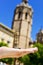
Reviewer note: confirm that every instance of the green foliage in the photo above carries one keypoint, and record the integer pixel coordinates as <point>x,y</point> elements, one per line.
<point>24,59</point>
<point>7,60</point>
<point>3,44</point>
<point>34,59</point>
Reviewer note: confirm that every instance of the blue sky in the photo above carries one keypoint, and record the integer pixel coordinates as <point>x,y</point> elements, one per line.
<point>7,10</point>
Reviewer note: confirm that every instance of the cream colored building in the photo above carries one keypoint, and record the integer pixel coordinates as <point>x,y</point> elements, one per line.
<point>6,35</point>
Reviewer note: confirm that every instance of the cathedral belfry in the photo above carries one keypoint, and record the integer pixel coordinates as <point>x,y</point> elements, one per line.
<point>22,23</point>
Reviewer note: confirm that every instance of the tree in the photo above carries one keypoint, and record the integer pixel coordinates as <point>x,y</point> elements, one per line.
<point>3,44</point>
<point>37,57</point>
<point>34,59</point>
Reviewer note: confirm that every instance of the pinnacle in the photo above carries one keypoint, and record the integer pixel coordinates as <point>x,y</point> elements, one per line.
<point>25,1</point>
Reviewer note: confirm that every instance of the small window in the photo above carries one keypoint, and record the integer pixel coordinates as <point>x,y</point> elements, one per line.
<point>26,15</point>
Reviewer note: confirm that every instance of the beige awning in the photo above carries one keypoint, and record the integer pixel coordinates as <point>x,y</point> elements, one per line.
<point>6,52</point>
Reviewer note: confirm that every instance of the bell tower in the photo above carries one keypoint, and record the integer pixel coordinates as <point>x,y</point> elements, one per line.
<point>22,23</point>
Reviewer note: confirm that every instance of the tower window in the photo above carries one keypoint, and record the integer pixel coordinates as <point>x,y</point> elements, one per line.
<point>19,16</point>
<point>26,15</point>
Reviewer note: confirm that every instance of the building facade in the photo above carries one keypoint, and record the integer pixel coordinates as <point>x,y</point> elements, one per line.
<point>22,23</point>
<point>6,35</point>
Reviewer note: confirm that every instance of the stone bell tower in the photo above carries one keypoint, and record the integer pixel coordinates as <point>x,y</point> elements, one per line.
<point>22,23</point>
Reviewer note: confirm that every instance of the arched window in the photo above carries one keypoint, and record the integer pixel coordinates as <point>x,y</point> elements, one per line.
<point>26,15</point>
<point>19,15</point>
